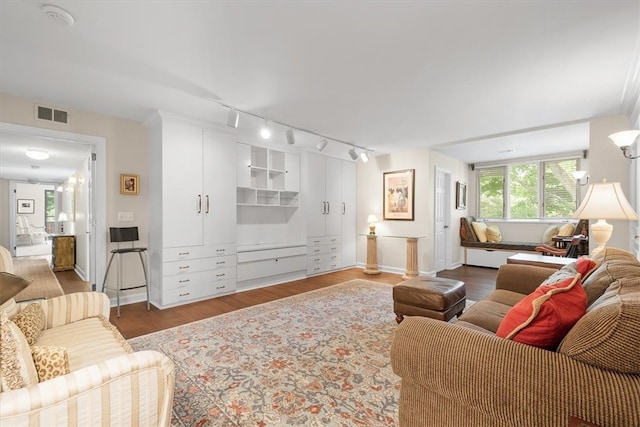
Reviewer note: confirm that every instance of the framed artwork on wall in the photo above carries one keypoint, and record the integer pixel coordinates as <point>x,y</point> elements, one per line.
<point>129,184</point>
<point>26,206</point>
<point>461,195</point>
<point>398,194</point>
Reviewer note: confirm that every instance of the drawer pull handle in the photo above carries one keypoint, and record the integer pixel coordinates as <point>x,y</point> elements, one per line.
<point>221,287</point>
<point>184,281</point>
<point>185,294</point>
<point>221,262</point>
<point>220,250</point>
<point>183,253</point>
<point>184,267</point>
<point>316,259</point>
<point>316,250</point>
<point>316,241</point>
<point>221,275</point>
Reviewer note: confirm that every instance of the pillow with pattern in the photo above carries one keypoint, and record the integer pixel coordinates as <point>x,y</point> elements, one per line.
<point>30,321</point>
<point>50,361</point>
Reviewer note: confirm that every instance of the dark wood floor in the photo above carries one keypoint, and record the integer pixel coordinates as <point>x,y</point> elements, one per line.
<point>135,320</point>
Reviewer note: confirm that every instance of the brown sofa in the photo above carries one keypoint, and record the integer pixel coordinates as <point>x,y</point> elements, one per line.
<point>462,374</point>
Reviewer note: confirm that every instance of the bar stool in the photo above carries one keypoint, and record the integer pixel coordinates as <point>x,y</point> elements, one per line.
<point>119,235</point>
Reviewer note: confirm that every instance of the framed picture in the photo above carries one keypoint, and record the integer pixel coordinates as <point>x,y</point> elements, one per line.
<point>26,206</point>
<point>461,195</point>
<point>129,184</point>
<point>398,194</point>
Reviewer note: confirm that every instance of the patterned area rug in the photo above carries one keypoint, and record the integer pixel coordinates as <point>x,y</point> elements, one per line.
<point>316,359</point>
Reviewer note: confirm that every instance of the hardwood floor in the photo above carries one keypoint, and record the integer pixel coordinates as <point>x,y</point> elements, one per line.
<point>135,320</point>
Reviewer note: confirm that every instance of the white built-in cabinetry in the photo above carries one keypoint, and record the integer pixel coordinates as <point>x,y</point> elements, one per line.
<point>329,203</point>
<point>192,214</point>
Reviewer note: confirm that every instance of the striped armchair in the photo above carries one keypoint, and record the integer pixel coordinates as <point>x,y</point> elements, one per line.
<point>107,384</point>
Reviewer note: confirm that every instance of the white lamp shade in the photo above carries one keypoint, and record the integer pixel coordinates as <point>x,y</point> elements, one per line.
<point>372,219</point>
<point>624,138</point>
<point>62,217</point>
<point>605,200</point>
<point>579,175</point>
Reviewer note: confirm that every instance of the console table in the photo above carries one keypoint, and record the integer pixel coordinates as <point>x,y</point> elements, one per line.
<point>63,252</point>
<point>411,269</point>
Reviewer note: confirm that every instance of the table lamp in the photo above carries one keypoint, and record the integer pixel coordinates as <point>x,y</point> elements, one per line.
<point>62,217</point>
<point>372,220</point>
<point>604,201</point>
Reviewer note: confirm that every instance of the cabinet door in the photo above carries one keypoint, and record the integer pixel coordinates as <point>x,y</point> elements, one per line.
<point>348,211</point>
<point>219,199</point>
<point>314,189</point>
<point>243,174</point>
<point>181,184</point>
<point>333,196</point>
<point>291,172</point>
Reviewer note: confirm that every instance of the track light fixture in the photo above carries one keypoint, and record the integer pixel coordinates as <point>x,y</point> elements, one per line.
<point>291,138</point>
<point>322,144</point>
<point>265,131</point>
<point>353,154</point>
<point>625,140</point>
<point>233,118</point>
<point>364,157</point>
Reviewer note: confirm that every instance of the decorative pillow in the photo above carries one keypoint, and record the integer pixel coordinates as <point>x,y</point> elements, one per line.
<point>549,234</point>
<point>50,361</point>
<point>567,229</point>
<point>10,285</point>
<point>31,322</point>
<point>544,317</point>
<point>493,234</point>
<point>480,229</point>
<point>16,363</point>
<point>583,265</point>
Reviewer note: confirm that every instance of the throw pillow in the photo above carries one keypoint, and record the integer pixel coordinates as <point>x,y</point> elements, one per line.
<point>31,322</point>
<point>480,228</point>
<point>50,361</point>
<point>567,229</point>
<point>583,265</point>
<point>493,234</point>
<point>16,363</point>
<point>544,317</point>
<point>10,285</point>
<point>549,234</point>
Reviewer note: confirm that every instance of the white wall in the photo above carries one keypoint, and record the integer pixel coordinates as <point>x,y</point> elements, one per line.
<point>34,192</point>
<point>5,207</point>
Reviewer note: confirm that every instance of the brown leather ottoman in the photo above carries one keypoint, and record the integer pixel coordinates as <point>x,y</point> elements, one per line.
<point>433,297</point>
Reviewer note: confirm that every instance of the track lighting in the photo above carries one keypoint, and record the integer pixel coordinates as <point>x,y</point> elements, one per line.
<point>233,118</point>
<point>291,138</point>
<point>364,157</point>
<point>265,131</point>
<point>322,144</point>
<point>353,154</point>
<point>625,140</point>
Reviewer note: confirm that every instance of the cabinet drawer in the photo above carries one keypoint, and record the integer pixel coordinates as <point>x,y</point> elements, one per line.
<point>271,267</point>
<point>323,240</point>
<point>324,249</point>
<point>199,278</point>
<point>271,253</point>
<point>175,296</point>
<point>195,265</point>
<point>196,252</point>
<point>323,259</point>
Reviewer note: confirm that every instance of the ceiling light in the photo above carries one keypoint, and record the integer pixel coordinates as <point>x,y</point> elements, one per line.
<point>58,15</point>
<point>353,154</point>
<point>625,140</point>
<point>265,132</point>
<point>37,154</point>
<point>322,144</point>
<point>233,117</point>
<point>291,138</point>
<point>364,157</point>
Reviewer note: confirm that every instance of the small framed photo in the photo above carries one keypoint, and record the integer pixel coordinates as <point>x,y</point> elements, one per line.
<point>26,206</point>
<point>398,195</point>
<point>129,184</point>
<point>461,195</point>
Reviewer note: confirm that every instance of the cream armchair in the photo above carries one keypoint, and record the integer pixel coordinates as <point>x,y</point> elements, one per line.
<point>108,383</point>
<point>27,234</point>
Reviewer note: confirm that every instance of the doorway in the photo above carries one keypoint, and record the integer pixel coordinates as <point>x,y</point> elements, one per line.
<point>442,217</point>
<point>91,229</point>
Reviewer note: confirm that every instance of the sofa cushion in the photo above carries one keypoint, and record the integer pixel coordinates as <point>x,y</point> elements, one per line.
<point>493,234</point>
<point>543,317</point>
<point>480,228</point>
<point>549,234</point>
<point>10,285</point>
<point>50,362</point>
<point>614,264</point>
<point>30,321</point>
<point>106,342</point>
<point>486,314</point>
<point>16,364</point>
<point>567,229</point>
<point>608,336</point>
<point>6,262</point>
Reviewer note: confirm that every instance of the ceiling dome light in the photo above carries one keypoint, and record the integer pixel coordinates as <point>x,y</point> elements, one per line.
<point>58,15</point>
<point>37,154</point>
<point>265,131</point>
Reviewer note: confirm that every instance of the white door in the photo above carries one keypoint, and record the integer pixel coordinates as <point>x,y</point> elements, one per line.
<point>219,190</point>
<point>348,211</point>
<point>333,196</point>
<point>182,184</point>
<point>314,191</point>
<point>440,215</point>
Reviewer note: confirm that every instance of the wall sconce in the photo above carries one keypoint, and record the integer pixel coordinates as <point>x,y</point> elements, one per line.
<point>372,220</point>
<point>625,140</point>
<point>581,177</point>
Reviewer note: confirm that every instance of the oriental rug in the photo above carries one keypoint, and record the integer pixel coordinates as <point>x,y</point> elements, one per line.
<point>316,359</point>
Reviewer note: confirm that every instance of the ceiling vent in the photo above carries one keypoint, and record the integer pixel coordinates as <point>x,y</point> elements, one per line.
<point>50,114</point>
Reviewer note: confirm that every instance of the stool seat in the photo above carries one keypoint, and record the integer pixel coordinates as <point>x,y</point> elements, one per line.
<point>434,297</point>
<point>127,250</point>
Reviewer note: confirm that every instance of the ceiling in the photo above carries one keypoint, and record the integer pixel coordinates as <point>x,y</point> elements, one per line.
<point>471,79</point>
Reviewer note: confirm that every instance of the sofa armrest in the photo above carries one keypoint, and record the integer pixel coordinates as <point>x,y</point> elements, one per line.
<point>512,383</point>
<point>135,389</point>
<point>520,278</point>
<point>73,307</point>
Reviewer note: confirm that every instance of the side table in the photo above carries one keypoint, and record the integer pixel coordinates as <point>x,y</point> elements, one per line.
<point>372,255</point>
<point>411,269</point>
<point>63,252</point>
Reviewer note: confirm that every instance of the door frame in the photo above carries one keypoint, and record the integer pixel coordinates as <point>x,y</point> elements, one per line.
<point>98,188</point>
<point>447,215</point>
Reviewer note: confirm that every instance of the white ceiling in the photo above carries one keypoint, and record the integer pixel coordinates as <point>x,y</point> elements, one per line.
<point>466,77</point>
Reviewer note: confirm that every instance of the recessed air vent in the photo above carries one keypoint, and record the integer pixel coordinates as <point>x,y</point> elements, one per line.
<point>51,114</point>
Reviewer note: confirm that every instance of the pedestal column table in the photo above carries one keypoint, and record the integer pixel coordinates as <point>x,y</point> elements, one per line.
<point>412,258</point>
<point>372,255</point>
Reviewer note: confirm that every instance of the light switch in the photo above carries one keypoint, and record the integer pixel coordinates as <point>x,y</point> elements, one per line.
<point>125,216</point>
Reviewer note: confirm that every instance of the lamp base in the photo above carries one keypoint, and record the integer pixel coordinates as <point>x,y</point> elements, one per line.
<point>372,229</point>
<point>601,232</point>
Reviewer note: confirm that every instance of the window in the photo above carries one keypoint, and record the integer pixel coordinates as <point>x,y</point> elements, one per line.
<point>540,189</point>
<point>49,210</point>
